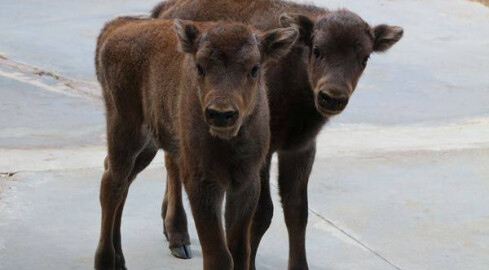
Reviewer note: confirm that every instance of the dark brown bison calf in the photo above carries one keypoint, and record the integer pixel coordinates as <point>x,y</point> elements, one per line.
<point>308,86</point>
<point>205,106</point>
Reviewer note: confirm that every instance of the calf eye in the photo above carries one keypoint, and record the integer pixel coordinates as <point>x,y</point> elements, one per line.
<point>254,72</point>
<point>316,52</point>
<point>365,60</point>
<point>200,70</point>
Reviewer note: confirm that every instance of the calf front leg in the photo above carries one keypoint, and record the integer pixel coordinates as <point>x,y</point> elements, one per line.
<point>125,144</point>
<point>240,207</point>
<point>173,214</point>
<point>294,170</point>
<point>263,213</point>
<point>206,202</point>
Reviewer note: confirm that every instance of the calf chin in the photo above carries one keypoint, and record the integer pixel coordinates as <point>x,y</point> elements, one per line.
<point>224,133</point>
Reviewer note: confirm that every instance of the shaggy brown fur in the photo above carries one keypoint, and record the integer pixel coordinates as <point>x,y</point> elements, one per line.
<point>205,106</point>
<point>308,86</point>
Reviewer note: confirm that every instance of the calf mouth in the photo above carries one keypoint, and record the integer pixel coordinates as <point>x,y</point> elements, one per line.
<point>225,133</point>
<point>328,113</point>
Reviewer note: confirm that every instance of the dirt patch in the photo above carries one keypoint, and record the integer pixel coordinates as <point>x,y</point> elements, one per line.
<point>3,185</point>
<point>4,177</point>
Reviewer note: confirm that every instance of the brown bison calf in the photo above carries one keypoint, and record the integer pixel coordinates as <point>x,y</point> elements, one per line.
<point>308,86</point>
<point>205,106</point>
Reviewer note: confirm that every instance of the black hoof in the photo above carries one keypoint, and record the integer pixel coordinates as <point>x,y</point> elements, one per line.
<point>121,267</point>
<point>182,252</point>
<point>120,263</point>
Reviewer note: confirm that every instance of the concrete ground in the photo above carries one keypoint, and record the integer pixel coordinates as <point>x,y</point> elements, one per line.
<point>400,181</point>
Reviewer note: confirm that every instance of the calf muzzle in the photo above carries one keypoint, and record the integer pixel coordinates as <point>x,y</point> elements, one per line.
<point>331,103</point>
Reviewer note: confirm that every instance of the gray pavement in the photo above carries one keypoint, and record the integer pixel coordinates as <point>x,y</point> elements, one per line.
<point>400,180</point>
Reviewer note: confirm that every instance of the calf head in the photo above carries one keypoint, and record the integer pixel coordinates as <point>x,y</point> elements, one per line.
<point>228,62</point>
<point>340,45</point>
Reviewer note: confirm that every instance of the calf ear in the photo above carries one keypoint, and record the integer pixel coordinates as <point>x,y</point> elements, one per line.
<point>385,36</point>
<point>303,23</point>
<point>188,36</point>
<point>277,43</point>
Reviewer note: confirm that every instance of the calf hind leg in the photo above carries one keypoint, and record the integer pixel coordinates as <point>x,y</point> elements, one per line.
<point>112,189</point>
<point>142,161</point>
<point>120,262</point>
<point>124,146</point>
<point>173,214</point>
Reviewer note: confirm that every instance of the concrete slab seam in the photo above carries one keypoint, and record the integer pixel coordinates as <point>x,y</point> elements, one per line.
<point>346,234</point>
<point>354,239</point>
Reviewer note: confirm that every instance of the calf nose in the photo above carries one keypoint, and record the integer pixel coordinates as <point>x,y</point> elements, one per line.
<point>221,118</point>
<point>332,103</point>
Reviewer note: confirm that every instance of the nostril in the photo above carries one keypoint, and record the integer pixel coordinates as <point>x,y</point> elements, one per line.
<point>341,102</point>
<point>324,98</point>
<point>211,113</point>
<point>229,114</point>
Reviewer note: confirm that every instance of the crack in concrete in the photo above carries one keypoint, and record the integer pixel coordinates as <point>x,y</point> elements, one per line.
<point>354,239</point>
<point>82,88</point>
